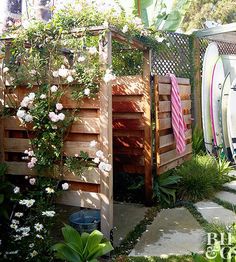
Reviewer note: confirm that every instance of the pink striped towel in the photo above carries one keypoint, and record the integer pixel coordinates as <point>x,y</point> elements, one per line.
<point>178,124</point>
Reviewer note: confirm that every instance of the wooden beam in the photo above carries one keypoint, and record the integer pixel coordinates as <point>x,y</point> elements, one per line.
<point>1,117</point>
<point>105,138</point>
<point>197,113</point>
<point>147,126</point>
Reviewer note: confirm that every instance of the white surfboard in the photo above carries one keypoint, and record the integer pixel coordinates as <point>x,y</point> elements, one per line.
<point>224,105</point>
<point>218,77</point>
<point>210,57</point>
<point>231,119</point>
<point>229,62</point>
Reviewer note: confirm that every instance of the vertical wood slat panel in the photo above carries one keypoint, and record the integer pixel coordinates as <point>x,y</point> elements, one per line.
<point>173,158</point>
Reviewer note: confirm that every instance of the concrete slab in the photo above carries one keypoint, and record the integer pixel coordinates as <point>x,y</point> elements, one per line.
<point>231,185</point>
<point>215,213</point>
<point>126,217</point>
<point>232,173</point>
<point>173,232</point>
<point>227,197</point>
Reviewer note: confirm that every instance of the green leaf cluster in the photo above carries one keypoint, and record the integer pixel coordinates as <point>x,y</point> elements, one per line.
<point>81,248</point>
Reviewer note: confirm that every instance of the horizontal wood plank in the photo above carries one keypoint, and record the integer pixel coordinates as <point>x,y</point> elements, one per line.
<point>168,140</point>
<point>127,107</point>
<point>127,124</point>
<point>166,122</point>
<point>81,199</point>
<point>165,89</point>
<point>173,155</point>
<point>166,80</point>
<point>173,164</point>
<point>128,85</point>
<point>165,106</point>
<point>86,125</point>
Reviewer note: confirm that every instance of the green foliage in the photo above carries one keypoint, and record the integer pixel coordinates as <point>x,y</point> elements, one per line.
<point>200,178</point>
<point>164,188</point>
<point>222,11</point>
<point>223,166</point>
<point>5,188</point>
<point>198,141</point>
<point>81,248</point>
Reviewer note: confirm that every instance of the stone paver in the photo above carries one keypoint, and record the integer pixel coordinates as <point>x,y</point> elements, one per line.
<point>213,212</point>
<point>227,197</point>
<point>173,232</point>
<point>231,185</point>
<point>232,173</point>
<point>126,217</point>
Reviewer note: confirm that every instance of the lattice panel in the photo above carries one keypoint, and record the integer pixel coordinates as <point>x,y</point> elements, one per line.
<point>224,48</point>
<point>173,55</point>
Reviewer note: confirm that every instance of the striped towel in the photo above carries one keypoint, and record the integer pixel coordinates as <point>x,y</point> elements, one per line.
<point>178,124</point>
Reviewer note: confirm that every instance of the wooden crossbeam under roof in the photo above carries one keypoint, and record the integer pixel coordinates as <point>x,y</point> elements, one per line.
<point>224,33</point>
<point>95,30</point>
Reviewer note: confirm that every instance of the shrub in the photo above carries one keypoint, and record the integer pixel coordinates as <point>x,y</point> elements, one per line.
<point>164,189</point>
<point>81,248</point>
<point>202,176</point>
<point>198,141</point>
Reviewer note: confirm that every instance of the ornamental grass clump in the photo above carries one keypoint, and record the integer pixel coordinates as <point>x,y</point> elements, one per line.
<point>200,178</point>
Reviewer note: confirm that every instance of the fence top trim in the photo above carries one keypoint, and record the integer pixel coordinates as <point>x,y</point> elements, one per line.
<point>225,33</point>
<point>95,30</point>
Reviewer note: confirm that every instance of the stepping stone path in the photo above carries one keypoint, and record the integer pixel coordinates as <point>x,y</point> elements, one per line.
<point>231,185</point>
<point>173,232</point>
<point>215,213</point>
<point>227,197</point>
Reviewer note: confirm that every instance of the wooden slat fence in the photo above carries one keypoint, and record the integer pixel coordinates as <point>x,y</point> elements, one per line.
<point>166,155</point>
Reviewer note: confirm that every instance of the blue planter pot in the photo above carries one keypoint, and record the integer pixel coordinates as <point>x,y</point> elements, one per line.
<point>85,220</point>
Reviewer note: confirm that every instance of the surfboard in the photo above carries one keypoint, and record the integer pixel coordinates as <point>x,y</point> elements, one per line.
<point>210,57</point>
<point>217,81</point>
<point>223,118</point>
<point>231,119</point>
<point>229,62</point>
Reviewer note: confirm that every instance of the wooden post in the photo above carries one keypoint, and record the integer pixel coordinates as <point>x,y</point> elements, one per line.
<point>148,126</point>
<point>1,117</point>
<point>106,186</point>
<point>197,111</point>
<point>139,7</point>
<point>157,132</point>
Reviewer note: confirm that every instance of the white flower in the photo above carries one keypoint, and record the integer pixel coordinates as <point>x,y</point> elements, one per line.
<point>34,253</point>
<point>93,143</point>
<point>61,116</point>
<point>99,154</point>
<point>87,91</point>
<point>39,236</point>
<point>32,181</point>
<point>16,190</point>
<point>70,79</point>
<point>160,39</point>
<point>63,72</point>
<point>31,245</point>
<point>5,70</point>
<point>54,117</point>
<point>30,153</point>
<point>14,221</point>
<point>55,74</point>
<point>28,118</point>
<point>81,59</point>
<point>31,96</point>
<point>20,113</point>
<point>108,167</point>
<point>65,186</point>
<point>109,76</point>
<point>92,50</point>
<point>14,226</point>
<point>26,177</point>
<point>19,214</point>
<point>26,202</point>
<point>59,106</point>
<point>25,102</point>
<point>96,160</point>
<point>38,227</point>
<point>76,155</point>
<point>49,190</point>
<point>54,89</point>
<point>49,213</point>
<point>102,166</point>
<point>105,24</point>
<point>43,96</point>
<point>125,29</point>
